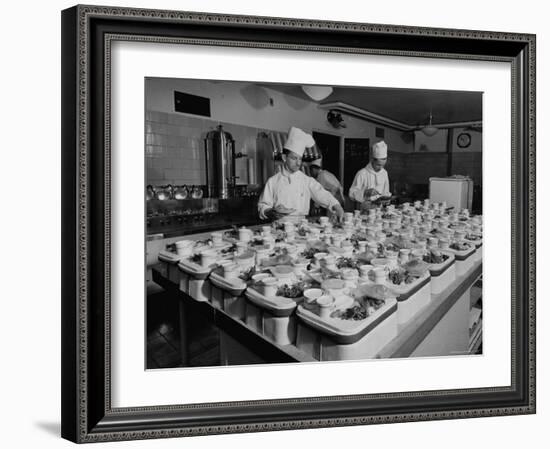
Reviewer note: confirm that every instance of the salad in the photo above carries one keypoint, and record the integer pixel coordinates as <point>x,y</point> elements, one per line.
<point>247,275</point>
<point>473,237</point>
<point>308,253</point>
<point>233,233</point>
<point>435,257</point>
<point>460,246</point>
<point>195,258</point>
<point>346,262</point>
<point>296,290</point>
<point>399,276</point>
<point>360,310</point>
<point>291,291</point>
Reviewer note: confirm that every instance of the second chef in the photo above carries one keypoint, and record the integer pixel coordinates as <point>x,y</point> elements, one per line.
<point>287,194</point>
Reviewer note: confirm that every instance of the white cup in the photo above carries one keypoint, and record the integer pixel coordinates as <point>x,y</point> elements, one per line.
<point>208,258</point>
<point>245,235</point>
<point>365,270</point>
<point>325,304</point>
<point>379,275</point>
<point>269,287</point>
<point>310,297</point>
<point>216,238</point>
<point>230,271</point>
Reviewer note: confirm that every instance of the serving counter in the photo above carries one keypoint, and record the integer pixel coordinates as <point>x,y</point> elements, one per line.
<point>440,328</point>
<point>391,284</point>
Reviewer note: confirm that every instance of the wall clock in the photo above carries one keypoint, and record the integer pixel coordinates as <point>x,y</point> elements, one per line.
<point>464,140</point>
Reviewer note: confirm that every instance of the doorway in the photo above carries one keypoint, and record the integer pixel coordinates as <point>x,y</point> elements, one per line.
<point>329,146</point>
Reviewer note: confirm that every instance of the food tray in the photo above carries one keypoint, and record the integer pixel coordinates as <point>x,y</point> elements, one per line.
<point>411,298</point>
<point>273,317</point>
<point>227,294</point>
<point>443,274</point>
<point>195,270</point>
<point>199,289</point>
<point>330,338</point>
<point>464,260</point>
<point>479,249</point>
<point>171,260</point>
<point>235,286</point>
<point>170,257</point>
<point>277,306</point>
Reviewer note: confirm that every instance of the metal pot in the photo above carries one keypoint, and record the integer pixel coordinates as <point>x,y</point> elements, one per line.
<point>197,192</point>
<point>164,192</point>
<point>181,192</point>
<point>150,192</point>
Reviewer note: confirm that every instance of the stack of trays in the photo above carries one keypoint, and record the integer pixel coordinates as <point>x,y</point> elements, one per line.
<point>227,294</point>
<point>273,317</point>
<point>442,274</point>
<point>327,339</point>
<point>412,298</point>
<point>171,261</point>
<point>479,248</point>
<point>464,260</point>
<point>194,279</point>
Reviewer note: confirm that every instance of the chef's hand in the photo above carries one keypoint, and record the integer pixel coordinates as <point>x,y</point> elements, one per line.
<point>338,211</point>
<point>278,212</point>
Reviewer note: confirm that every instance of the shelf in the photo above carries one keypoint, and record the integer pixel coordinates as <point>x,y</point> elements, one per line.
<point>476,338</point>
<point>475,293</point>
<point>477,330</point>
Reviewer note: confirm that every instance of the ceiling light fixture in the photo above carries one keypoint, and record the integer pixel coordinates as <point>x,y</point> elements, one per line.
<point>317,93</point>
<point>429,130</point>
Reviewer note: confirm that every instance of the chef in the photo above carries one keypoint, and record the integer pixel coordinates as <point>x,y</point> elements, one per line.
<point>327,180</point>
<point>288,193</point>
<point>372,182</point>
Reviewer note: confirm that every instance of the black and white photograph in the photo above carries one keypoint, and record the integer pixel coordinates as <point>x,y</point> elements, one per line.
<point>287,218</point>
<point>292,223</point>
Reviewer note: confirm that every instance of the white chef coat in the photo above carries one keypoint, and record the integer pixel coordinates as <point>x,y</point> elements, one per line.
<point>367,178</point>
<point>293,191</point>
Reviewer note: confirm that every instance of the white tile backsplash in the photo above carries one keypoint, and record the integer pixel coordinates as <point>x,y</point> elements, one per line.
<point>175,148</point>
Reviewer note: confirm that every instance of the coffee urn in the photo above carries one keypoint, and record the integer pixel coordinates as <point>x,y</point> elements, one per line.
<point>220,163</point>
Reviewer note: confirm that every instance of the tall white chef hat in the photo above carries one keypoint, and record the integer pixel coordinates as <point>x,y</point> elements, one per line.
<point>297,141</point>
<point>380,150</point>
<point>317,162</point>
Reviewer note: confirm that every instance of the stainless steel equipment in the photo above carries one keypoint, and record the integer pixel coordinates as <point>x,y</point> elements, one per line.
<point>220,163</point>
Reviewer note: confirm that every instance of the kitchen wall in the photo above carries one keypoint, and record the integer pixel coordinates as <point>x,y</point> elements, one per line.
<point>430,158</point>
<point>175,141</point>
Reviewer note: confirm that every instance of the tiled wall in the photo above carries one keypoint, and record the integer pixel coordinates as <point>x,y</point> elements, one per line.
<point>174,148</point>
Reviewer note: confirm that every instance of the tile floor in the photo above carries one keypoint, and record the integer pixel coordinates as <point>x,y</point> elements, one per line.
<point>163,337</point>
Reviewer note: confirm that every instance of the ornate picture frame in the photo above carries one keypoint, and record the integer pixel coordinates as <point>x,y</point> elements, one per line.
<point>87,411</point>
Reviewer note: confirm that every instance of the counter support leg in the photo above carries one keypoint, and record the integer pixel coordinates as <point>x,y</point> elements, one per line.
<point>184,338</point>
